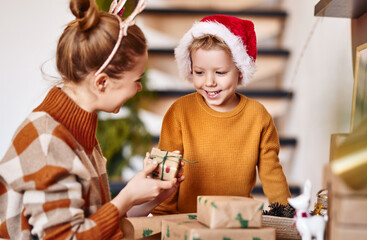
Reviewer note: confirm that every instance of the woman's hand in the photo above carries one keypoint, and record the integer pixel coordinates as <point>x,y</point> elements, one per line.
<point>141,189</point>
<point>168,192</point>
<point>145,208</point>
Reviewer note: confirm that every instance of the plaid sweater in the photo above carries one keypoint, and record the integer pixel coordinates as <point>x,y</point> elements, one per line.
<point>53,181</point>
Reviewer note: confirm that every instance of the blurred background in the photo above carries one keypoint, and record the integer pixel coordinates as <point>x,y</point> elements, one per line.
<point>304,76</point>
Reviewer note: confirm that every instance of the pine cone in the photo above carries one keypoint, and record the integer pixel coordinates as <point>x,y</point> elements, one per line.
<point>279,210</point>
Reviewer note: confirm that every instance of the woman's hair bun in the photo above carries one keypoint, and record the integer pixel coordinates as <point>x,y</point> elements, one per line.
<point>86,13</point>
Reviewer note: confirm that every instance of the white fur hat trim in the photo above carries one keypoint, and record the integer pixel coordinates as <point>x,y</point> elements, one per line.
<point>243,61</point>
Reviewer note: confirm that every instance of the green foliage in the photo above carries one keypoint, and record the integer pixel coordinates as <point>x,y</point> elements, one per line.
<point>116,134</point>
<point>104,5</point>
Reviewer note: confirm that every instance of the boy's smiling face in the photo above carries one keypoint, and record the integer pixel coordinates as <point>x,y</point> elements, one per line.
<point>216,77</point>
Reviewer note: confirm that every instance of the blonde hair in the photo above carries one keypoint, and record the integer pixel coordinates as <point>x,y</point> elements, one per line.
<point>88,40</point>
<point>209,42</point>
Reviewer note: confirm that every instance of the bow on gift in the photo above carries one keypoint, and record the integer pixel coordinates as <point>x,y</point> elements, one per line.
<point>116,9</point>
<point>165,158</point>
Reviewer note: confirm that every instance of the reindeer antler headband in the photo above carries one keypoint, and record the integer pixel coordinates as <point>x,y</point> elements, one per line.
<point>115,9</point>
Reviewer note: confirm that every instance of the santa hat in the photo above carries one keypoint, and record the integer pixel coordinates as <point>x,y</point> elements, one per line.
<point>238,34</point>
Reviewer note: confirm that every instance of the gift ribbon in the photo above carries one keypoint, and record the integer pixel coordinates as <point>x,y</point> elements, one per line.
<point>164,159</point>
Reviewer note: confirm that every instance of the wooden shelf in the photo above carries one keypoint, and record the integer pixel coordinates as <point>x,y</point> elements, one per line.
<point>341,8</point>
<point>284,141</point>
<point>275,101</point>
<point>117,186</point>
<point>265,52</point>
<point>257,13</point>
<point>249,93</point>
<point>230,5</point>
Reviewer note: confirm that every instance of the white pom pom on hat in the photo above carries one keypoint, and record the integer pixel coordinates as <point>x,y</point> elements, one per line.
<point>238,34</point>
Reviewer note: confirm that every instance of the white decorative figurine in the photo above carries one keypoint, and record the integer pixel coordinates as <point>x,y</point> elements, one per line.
<point>307,225</point>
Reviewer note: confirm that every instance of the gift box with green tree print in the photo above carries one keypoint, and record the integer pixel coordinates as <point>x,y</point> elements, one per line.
<point>194,230</point>
<point>229,211</point>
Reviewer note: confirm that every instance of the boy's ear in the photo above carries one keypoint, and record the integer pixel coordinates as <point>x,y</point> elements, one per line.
<point>101,82</point>
<point>239,77</point>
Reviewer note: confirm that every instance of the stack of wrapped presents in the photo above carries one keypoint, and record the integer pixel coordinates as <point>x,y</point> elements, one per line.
<point>221,217</point>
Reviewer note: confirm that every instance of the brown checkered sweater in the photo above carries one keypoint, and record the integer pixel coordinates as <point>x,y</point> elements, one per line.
<point>53,181</point>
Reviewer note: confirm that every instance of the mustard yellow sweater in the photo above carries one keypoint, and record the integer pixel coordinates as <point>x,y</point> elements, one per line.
<point>229,146</point>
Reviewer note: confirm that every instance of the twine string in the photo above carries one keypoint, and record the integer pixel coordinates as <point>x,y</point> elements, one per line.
<point>163,162</point>
<point>165,158</point>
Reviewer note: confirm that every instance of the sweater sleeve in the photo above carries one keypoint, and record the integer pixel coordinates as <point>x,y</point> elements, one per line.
<point>170,140</point>
<point>271,174</point>
<point>47,181</point>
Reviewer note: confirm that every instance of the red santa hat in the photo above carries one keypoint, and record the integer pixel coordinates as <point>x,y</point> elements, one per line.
<point>238,34</point>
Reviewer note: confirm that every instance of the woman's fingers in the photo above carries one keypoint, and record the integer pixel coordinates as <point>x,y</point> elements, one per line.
<point>145,161</point>
<point>180,176</point>
<point>167,184</point>
<point>149,167</point>
<point>180,179</point>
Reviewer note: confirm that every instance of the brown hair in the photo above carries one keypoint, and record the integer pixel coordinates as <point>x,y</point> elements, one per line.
<point>88,40</point>
<point>209,42</point>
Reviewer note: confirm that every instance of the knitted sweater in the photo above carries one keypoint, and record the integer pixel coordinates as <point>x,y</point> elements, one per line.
<point>229,146</point>
<point>53,181</point>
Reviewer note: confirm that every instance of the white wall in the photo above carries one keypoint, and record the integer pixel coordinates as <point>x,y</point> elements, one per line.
<point>322,86</point>
<point>29,35</point>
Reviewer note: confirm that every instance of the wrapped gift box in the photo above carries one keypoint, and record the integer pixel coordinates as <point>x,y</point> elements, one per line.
<point>146,227</point>
<point>229,211</point>
<point>192,229</point>
<point>347,208</point>
<point>168,164</point>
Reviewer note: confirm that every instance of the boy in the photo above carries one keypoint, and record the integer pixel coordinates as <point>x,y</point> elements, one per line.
<point>228,133</point>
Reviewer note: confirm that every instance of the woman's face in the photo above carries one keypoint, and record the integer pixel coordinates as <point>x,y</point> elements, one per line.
<point>122,89</point>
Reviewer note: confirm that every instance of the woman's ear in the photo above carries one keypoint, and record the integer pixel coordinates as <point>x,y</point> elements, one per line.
<point>101,82</point>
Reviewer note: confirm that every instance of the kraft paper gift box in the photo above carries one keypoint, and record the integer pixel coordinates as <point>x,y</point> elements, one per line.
<point>347,208</point>
<point>192,229</point>
<point>148,227</point>
<point>168,164</point>
<point>229,211</point>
